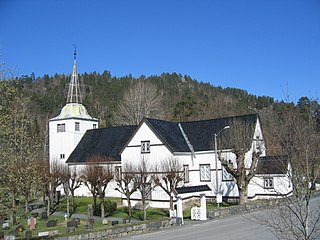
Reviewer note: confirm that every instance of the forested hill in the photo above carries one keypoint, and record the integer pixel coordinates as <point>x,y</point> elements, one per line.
<point>126,100</point>
<point>181,97</point>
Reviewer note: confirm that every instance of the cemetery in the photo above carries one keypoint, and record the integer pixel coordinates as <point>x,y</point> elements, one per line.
<point>36,223</point>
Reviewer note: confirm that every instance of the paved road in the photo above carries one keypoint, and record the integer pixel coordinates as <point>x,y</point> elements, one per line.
<point>229,228</point>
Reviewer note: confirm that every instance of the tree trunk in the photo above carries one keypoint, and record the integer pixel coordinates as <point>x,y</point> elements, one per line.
<point>243,194</point>
<point>129,208</point>
<point>72,202</point>
<point>26,203</point>
<point>68,205</point>
<point>102,207</point>
<point>144,210</point>
<point>171,202</point>
<point>94,201</point>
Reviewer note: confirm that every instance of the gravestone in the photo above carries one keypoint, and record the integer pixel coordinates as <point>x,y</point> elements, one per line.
<point>90,212</point>
<point>28,234</point>
<point>51,223</point>
<point>5,226</point>
<point>32,223</point>
<point>72,223</point>
<point>114,223</point>
<point>77,220</point>
<point>44,215</point>
<point>90,222</point>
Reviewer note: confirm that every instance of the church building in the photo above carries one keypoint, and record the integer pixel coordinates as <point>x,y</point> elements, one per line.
<point>75,139</point>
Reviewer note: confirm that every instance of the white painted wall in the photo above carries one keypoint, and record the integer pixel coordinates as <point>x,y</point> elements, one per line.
<point>158,152</point>
<point>65,142</point>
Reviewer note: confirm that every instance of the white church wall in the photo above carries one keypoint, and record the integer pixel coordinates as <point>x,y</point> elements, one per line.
<point>62,143</point>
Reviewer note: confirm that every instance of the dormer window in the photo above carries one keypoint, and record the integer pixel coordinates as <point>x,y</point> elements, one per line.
<point>61,127</point>
<point>145,146</point>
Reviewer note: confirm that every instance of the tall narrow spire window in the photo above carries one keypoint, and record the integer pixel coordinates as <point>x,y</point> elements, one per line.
<point>74,94</point>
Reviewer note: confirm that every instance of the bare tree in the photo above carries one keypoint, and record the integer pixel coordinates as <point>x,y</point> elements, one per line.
<point>141,100</point>
<point>55,181</point>
<point>126,184</point>
<point>143,180</point>
<point>297,216</point>
<point>242,169</point>
<point>74,183</point>
<point>96,176</point>
<point>105,176</point>
<point>168,175</point>
<point>90,179</point>
<point>65,180</point>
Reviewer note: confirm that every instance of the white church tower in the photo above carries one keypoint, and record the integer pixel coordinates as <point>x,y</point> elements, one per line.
<point>67,129</point>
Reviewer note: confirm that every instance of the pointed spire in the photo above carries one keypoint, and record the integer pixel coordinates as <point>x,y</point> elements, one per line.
<point>74,94</point>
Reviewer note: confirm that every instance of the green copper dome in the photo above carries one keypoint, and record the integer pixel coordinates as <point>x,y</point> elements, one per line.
<point>73,110</point>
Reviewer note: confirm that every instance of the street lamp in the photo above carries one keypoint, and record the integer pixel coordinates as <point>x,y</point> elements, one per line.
<point>218,200</point>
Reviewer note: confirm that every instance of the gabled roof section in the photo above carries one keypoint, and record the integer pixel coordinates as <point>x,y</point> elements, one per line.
<point>201,133</point>
<point>103,142</point>
<point>169,133</point>
<point>272,165</point>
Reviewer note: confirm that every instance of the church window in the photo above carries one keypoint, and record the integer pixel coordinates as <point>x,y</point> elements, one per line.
<point>61,127</point>
<point>77,126</point>
<point>118,172</point>
<point>205,173</point>
<point>145,147</point>
<point>94,126</point>
<point>62,156</point>
<point>186,173</point>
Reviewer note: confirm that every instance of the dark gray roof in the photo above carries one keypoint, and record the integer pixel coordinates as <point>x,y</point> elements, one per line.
<point>170,134</point>
<point>192,189</point>
<point>108,142</point>
<point>201,133</point>
<point>272,165</point>
<point>105,143</point>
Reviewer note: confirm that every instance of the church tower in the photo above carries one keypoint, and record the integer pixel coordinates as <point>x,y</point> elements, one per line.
<point>67,129</point>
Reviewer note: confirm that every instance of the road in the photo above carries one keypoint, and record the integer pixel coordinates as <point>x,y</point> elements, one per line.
<point>228,228</point>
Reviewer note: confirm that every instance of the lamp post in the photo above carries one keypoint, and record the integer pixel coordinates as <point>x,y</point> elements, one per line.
<point>216,161</point>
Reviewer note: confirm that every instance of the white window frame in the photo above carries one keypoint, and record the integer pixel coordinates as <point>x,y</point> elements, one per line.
<point>205,172</point>
<point>62,156</point>
<point>145,146</point>
<point>268,183</point>
<point>94,126</point>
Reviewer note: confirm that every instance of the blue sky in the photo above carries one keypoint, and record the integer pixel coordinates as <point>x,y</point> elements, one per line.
<point>267,47</point>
